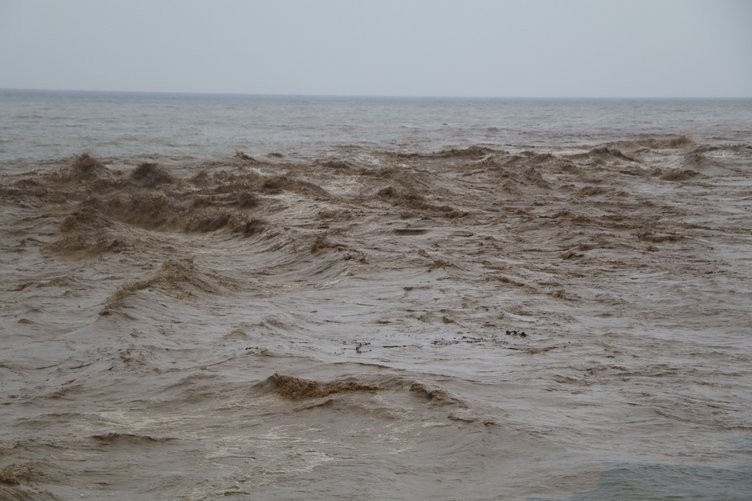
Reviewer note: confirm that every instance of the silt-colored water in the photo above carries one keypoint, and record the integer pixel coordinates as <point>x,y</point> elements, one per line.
<point>470,323</point>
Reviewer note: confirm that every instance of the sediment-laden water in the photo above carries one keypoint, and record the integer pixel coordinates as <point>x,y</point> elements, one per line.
<point>474,322</point>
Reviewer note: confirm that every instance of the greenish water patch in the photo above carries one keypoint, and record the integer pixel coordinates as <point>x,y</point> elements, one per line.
<point>630,481</point>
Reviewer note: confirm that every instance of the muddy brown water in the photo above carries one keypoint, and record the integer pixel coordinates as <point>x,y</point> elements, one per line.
<point>470,323</point>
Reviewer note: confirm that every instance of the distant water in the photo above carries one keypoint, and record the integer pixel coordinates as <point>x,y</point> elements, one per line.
<point>42,124</point>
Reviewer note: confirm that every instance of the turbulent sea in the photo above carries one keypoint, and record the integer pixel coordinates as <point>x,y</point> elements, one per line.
<point>234,297</point>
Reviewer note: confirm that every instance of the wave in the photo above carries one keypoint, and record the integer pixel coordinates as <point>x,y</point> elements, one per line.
<point>678,174</point>
<point>178,277</point>
<point>680,141</point>
<point>129,438</point>
<point>149,198</point>
<point>296,388</point>
<point>83,168</point>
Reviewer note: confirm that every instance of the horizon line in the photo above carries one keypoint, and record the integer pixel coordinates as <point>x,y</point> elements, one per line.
<point>353,96</point>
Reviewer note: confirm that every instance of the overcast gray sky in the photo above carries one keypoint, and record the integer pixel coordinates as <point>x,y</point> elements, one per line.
<point>535,48</point>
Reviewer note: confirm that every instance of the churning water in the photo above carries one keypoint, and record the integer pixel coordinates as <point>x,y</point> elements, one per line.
<point>357,298</point>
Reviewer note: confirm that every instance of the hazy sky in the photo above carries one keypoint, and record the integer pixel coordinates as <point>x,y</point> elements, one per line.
<point>530,48</point>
